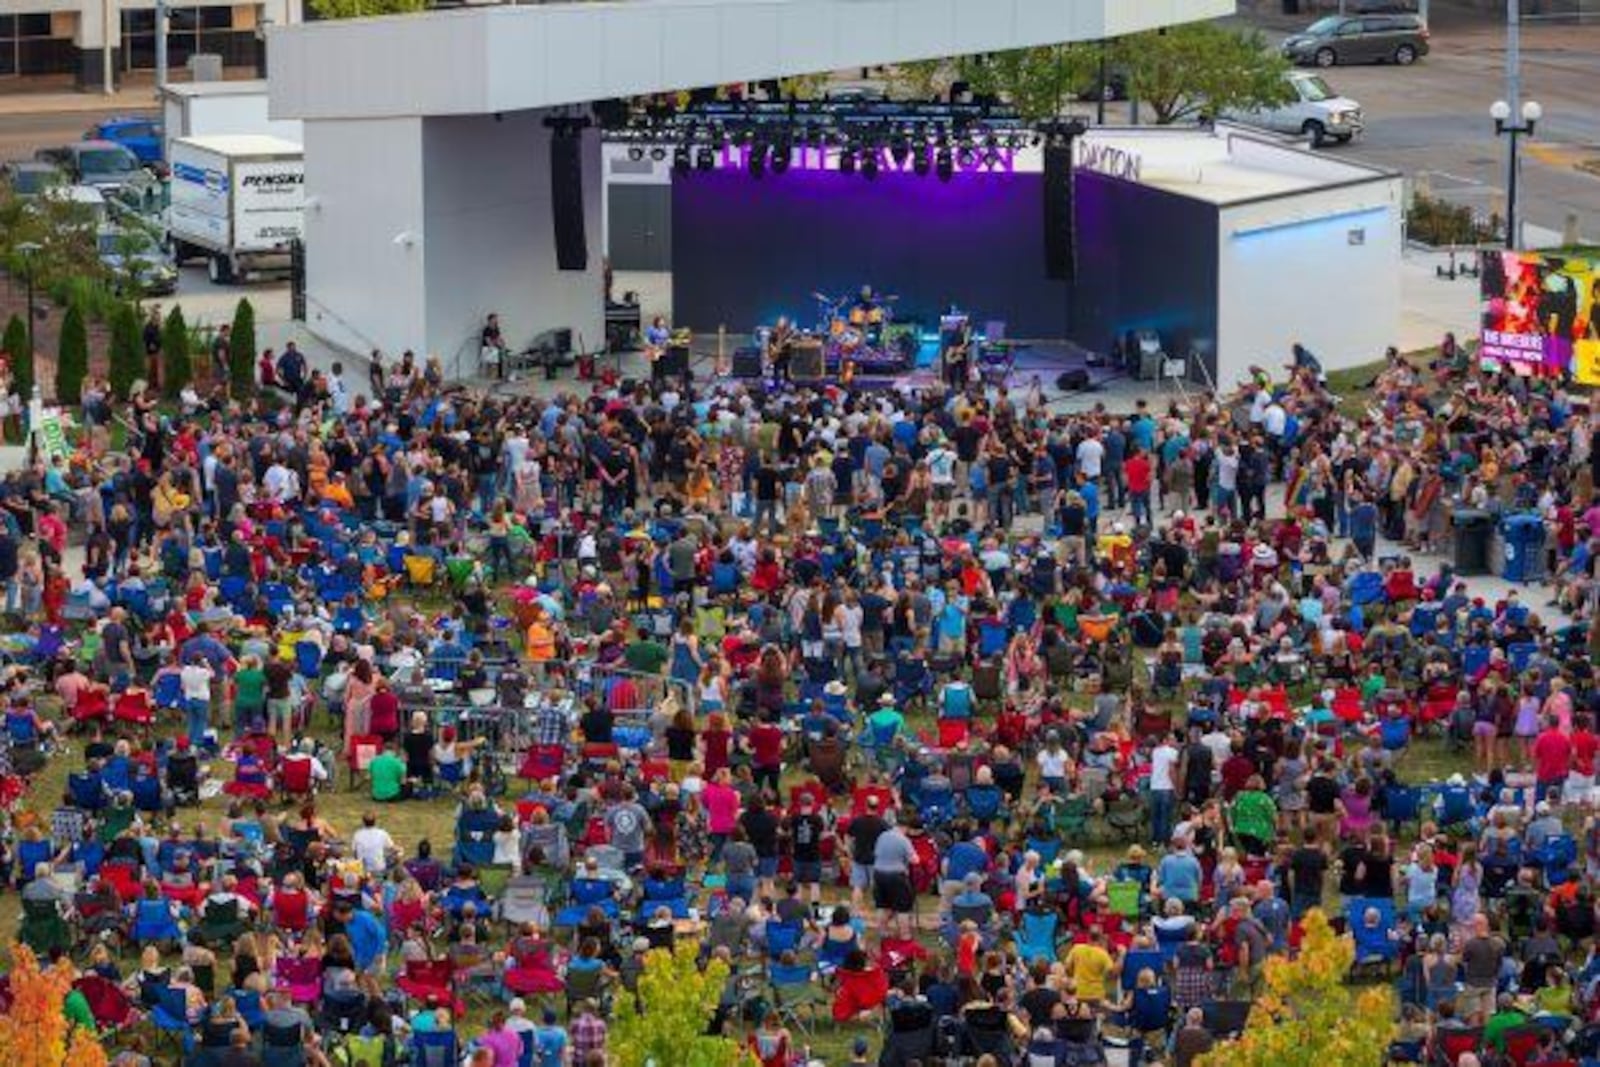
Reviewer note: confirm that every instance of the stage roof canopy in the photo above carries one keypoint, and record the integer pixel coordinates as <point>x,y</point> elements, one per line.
<point>487,59</point>
<point>1227,164</point>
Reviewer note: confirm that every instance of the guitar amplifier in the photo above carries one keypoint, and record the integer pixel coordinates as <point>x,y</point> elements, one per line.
<point>747,362</point>
<point>806,363</point>
<point>675,361</point>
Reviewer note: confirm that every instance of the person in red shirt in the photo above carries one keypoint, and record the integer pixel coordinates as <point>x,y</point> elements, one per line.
<point>1585,745</point>
<point>1139,476</point>
<point>766,754</point>
<point>1552,758</point>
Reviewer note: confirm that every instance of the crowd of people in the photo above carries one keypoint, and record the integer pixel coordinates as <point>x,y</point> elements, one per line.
<point>953,724</point>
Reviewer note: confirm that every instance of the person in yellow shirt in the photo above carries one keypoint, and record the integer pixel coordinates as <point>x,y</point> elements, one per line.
<point>1089,966</point>
<point>338,493</point>
<point>541,638</point>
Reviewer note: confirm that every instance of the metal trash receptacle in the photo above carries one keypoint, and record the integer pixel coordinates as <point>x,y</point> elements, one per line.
<point>1473,528</point>
<point>1524,547</point>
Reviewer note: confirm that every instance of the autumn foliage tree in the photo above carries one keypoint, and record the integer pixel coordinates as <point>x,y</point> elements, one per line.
<point>1309,1016</point>
<point>668,1024</point>
<point>34,1032</point>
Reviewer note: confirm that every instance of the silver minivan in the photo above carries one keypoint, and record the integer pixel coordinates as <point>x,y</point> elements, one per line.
<point>1337,39</point>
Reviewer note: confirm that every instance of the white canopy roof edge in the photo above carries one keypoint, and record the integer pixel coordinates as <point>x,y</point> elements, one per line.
<point>507,58</point>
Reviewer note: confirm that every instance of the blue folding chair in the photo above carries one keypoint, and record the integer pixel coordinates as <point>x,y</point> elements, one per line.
<point>783,936</point>
<point>170,1015</point>
<point>1401,804</point>
<point>437,1048</point>
<point>88,790</point>
<point>1036,936</point>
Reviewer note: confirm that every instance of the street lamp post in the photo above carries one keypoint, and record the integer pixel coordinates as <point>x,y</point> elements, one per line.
<point>28,249</point>
<point>1531,113</point>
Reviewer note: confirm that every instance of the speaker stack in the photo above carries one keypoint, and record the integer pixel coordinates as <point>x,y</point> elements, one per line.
<point>806,363</point>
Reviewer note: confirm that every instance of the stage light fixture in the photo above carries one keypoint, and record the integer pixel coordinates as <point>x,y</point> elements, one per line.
<point>967,157</point>
<point>705,159</point>
<point>869,164</point>
<point>758,160</point>
<point>946,165</point>
<point>901,149</point>
<point>920,163</point>
<point>658,153</point>
<point>847,161</point>
<point>635,153</point>
<point>680,159</point>
<point>780,157</point>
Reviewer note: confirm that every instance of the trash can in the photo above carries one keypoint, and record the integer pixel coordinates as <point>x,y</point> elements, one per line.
<point>1472,530</point>
<point>1524,551</point>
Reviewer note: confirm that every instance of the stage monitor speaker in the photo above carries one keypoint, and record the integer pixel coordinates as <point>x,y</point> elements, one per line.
<point>1060,244</point>
<point>566,202</point>
<point>1073,381</point>
<point>747,362</point>
<point>806,363</point>
<point>675,361</point>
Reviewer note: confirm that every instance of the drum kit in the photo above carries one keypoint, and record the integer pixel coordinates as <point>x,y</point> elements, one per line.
<point>858,334</point>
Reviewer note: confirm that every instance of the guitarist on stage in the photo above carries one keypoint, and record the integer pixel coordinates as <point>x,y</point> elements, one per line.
<point>778,350</point>
<point>957,356</point>
<point>656,339</point>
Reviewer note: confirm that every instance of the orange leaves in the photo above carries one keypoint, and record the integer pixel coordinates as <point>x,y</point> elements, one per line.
<point>34,1032</point>
<point>1308,1016</point>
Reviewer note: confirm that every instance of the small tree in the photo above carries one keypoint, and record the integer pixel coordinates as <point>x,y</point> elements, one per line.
<point>72,358</point>
<point>355,9</point>
<point>16,346</point>
<point>668,1024</point>
<point>127,350</point>
<point>34,1032</point>
<point>242,349</point>
<point>1309,1016</point>
<point>1203,69</point>
<point>176,363</point>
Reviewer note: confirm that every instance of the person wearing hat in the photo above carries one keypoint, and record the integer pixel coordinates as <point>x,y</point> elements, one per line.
<point>885,725</point>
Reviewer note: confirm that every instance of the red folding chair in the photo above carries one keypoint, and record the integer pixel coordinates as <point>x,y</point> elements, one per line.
<point>364,748</point>
<point>91,706</point>
<point>300,977</point>
<point>294,776</point>
<point>543,762</point>
<point>953,733</point>
<point>133,706</point>
<point>124,878</point>
<point>431,982</point>
<point>1347,706</point>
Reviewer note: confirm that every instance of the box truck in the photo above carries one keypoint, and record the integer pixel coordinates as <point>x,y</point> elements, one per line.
<point>238,201</point>
<point>206,109</point>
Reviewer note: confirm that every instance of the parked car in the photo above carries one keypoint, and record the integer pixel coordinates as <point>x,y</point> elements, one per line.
<point>1401,39</point>
<point>88,203</point>
<point>134,256</point>
<point>29,177</point>
<point>1315,111</point>
<point>97,163</point>
<point>143,137</point>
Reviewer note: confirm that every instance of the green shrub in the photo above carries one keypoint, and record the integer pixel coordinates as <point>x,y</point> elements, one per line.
<point>176,362</point>
<point>127,350</point>
<point>72,362</point>
<point>16,346</point>
<point>242,349</point>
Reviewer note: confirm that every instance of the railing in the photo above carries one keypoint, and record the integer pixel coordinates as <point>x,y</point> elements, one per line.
<point>624,691</point>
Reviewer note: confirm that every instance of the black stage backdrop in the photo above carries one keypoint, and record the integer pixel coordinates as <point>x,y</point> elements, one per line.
<point>1147,259</point>
<point>745,251</point>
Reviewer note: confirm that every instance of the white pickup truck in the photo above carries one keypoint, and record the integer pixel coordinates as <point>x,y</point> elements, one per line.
<point>1314,111</point>
<point>237,200</point>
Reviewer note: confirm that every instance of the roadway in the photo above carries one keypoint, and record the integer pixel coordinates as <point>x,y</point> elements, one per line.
<point>1432,119</point>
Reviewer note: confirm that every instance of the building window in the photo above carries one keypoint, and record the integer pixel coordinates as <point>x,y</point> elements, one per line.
<point>26,46</point>
<point>190,30</point>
